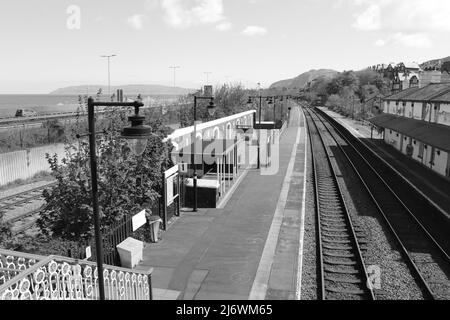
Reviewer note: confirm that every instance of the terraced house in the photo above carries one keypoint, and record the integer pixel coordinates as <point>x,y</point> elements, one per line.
<point>416,121</point>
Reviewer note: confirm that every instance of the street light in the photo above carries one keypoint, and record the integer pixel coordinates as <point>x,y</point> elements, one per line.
<point>136,134</point>
<point>211,110</point>
<point>109,74</point>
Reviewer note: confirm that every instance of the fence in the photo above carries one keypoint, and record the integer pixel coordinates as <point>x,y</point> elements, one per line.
<point>25,164</point>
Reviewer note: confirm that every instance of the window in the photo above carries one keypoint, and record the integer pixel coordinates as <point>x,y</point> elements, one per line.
<point>438,152</point>
<point>397,134</point>
<point>412,105</point>
<point>420,150</point>
<point>414,141</point>
<point>390,131</point>
<point>404,103</point>
<point>396,103</point>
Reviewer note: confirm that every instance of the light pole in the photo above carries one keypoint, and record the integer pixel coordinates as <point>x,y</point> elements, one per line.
<point>174,73</point>
<point>109,74</point>
<point>211,111</point>
<point>207,76</point>
<point>137,135</point>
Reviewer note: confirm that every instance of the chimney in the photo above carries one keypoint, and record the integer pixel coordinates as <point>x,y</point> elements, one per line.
<point>427,77</point>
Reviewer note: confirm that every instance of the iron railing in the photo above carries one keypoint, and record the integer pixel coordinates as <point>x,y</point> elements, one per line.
<point>31,277</point>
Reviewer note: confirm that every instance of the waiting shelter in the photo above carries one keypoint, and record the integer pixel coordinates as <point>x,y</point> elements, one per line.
<point>216,165</point>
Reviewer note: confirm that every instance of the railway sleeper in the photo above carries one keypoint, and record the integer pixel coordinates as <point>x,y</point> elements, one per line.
<point>327,246</point>
<point>346,291</point>
<point>336,241</point>
<point>334,229</point>
<point>347,279</point>
<point>339,262</point>
<point>338,255</point>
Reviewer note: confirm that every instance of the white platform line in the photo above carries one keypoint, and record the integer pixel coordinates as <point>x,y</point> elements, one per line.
<point>260,284</point>
<point>298,289</point>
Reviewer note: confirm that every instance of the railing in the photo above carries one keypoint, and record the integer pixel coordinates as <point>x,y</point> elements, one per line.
<point>31,277</point>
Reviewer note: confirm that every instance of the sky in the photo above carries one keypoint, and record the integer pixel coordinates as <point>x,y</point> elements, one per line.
<point>49,44</point>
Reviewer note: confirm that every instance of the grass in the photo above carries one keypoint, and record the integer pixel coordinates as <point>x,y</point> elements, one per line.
<point>40,176</point>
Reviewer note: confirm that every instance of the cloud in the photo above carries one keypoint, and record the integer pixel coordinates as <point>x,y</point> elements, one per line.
<point>402,15</point>
<point>179,15</point>
<point>368,19</point>
<point>411,23</point>
<point>224,26</point>
<point>254,31</point>
<point>414,40</point>
<point>136,21</point>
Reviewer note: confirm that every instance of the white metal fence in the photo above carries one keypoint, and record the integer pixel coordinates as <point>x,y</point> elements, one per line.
<point>25,164</point>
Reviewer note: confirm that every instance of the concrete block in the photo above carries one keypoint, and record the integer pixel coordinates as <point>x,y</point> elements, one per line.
<point>130,252</point>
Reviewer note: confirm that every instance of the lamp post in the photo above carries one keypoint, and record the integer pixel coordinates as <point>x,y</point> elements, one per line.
<point>259,122</point>
<point>109,74</point>
<point>137,135</point>
<point>353,107</point>
<point>211,111</point>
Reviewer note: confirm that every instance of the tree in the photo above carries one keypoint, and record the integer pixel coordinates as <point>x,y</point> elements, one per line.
<point>126,182</point>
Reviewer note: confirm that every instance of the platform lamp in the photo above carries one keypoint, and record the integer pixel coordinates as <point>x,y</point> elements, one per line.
<point>250,102</point>
<point>137,135</point>
<point>271,100</point>
<point>211,110</point>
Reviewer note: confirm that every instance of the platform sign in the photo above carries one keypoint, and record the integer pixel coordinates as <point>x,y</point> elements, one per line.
<point>88,252</point>
<point>169,193</point>
<point>139,220</point>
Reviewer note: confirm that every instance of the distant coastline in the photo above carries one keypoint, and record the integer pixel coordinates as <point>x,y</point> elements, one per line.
<point>130,89</point>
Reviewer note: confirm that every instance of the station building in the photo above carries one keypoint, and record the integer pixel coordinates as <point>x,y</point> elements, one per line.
<point>416,121</point>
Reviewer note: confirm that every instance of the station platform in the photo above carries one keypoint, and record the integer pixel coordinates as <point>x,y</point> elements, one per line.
<point>432,185</point>
<point>249,248</point>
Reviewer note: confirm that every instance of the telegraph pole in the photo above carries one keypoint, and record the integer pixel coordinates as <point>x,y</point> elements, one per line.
<point>207,76</point>
<point>174,73</point>
<point>109,73</point>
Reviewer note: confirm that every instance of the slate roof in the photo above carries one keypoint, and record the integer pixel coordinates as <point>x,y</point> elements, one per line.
<point>431,91</point>
<point>432,134</point>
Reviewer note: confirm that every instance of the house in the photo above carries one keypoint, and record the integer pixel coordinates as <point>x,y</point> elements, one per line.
<point>416,121</point>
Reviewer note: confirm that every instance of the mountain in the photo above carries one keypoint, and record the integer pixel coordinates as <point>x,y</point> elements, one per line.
<point>301,81</point>
<point>434,64</point>
<point>132,89</point>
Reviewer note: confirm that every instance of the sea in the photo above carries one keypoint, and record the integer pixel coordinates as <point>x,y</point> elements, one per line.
<point>46,103</point>
<point>40,103</point>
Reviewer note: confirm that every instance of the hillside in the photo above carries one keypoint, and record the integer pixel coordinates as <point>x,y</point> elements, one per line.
<point>304,78</point>
<point>434,64</point>
<point>134,89</point>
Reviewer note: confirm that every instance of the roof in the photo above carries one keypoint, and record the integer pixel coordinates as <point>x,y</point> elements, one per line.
<point>411,65</point>
<point>212,148</point>
<point>433,134</point>
<point>400,95</point>
<point>442,98</point>
<point>426,93</point>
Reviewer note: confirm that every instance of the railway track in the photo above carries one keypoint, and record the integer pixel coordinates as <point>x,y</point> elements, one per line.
<point>426,257</point>
<point>341,266</point>
<point>22,198</point>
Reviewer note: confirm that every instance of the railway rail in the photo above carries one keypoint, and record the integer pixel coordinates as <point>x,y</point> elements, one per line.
<point>22,198</point>
<point>341,266</point>
<point>426,256</point>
